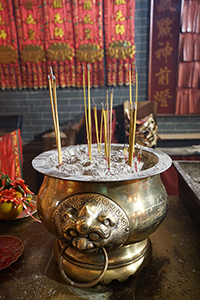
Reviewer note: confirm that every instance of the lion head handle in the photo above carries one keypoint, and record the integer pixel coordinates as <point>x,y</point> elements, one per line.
<point>91,221</point>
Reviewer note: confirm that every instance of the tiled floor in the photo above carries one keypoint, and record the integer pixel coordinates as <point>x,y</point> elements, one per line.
<point>173,274</point>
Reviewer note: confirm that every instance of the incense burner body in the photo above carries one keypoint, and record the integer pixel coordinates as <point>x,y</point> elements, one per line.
<point>102,227</point>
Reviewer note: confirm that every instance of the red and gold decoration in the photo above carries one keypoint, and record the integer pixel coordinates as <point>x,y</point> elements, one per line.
<point>119,38</point>
<point>59,43</point>
<point>30,29</point>
<point>11,154</point>
<point>88,35</point>
<point>66,36</point>
<point>164,36</point>
<point>10,75</point>
<point>14,197</point>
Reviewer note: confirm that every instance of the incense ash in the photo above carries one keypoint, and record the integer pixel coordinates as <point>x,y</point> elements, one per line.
<point>77,162</point>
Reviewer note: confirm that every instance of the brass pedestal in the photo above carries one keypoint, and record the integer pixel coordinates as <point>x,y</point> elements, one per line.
<point>85,268</point>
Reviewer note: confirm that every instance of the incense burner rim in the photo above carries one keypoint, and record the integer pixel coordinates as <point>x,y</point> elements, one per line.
<point>39,163</point>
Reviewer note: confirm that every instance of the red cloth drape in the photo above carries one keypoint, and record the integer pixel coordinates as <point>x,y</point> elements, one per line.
<point>10,75</point>
<point>29,19</point>
<point>11,154</point>
<point>59,41</point>
<point>88,35</point>
<point>119,16</point>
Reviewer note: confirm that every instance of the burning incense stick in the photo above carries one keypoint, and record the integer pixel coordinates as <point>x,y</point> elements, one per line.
<point>54,110</point>
<point>135,108</point>
<point>57,122</point>
<point>105,132</point>
<point>96,124</point>
<point>85,106</point>
<point>89,115</point>
<point>107,127</point>
<point>131,117</point>
<point>110,129</point>
<point>130,85</point>
<point>101,127</point>
<point>130,157</point>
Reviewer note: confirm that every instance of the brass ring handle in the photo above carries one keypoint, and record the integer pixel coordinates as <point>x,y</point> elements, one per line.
<point>87,284</point>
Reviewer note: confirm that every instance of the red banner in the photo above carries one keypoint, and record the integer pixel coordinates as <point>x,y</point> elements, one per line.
<point>87,20</point>
<point>59,41</point>
<point>119,18</point>
<point>10,75</point>
<point>164,37</point>
<point>29,19</point>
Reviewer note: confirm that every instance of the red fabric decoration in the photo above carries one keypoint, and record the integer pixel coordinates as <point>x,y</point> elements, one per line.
<point>10,76</point>
<point>119,37</point>
<point>87,21</point>
<point>29,18</point>
<point>59,43</point>
<point>11,154</point>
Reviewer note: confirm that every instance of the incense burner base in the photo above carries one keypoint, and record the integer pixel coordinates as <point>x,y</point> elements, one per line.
<point>85,268</point>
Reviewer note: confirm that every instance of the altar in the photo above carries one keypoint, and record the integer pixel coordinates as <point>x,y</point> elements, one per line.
<point>173,273</point>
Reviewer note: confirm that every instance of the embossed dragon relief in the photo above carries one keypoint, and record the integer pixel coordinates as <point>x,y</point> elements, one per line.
<point>90,221</point>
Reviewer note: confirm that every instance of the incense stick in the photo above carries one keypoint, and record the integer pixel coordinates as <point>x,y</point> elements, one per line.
<point>89,115</point>
<point>57,122</point>
<point>135,108</point>
<point>105,132</point>
<point>85,106</point>
<point>101,127</point>
<point>110,130</point>
<point>96,124</point>
<point>54,110</point>
<point>131,119</point>
<point>107,127</point>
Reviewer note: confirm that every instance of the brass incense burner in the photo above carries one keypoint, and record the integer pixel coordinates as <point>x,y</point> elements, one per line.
<point>102,226</point>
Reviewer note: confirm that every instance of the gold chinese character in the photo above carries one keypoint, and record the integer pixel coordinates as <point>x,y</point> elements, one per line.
<point>87,20</point>
<point>59,32</point>
<point>87,5</point>
<point>119,2</point>
<point>30,20</point>
<point>57,19</point>
<point>164,28</point>
<point>57,4</point>
<point>29,5</point>
<point>163,76</point>
<point>1,7</point>
<point>164,52</point>
<point>3,34</point>
<point>119,29</point>
<point>161,97</point>
<point>31,34</point>
<point>165,5</point>
<point>119,16</point>
<point>1,21</point>
<point>87,34</point>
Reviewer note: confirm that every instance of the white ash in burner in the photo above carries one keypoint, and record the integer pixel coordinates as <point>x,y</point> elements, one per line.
<point>77,162</point>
